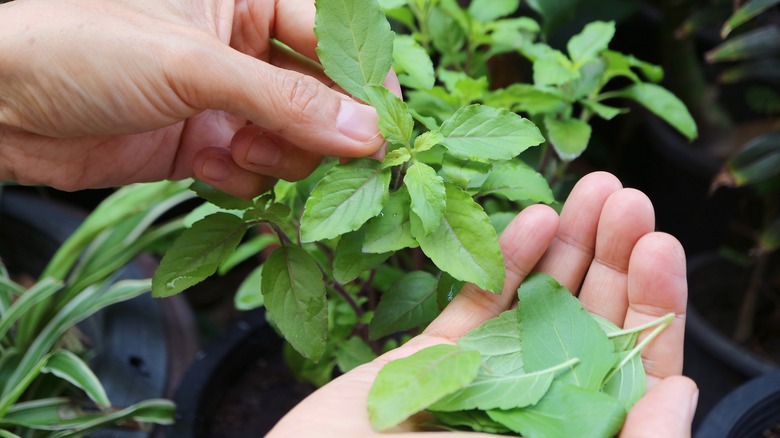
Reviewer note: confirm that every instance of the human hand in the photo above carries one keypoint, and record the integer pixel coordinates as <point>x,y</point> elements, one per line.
<point>97,93</point>
<point>603,246</point>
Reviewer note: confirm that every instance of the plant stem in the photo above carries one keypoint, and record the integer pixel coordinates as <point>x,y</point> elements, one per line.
<point>347,297</point>
<point>746,318</point>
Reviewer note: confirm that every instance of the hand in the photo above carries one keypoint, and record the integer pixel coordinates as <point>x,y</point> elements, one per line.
<point>604,247</point>
<point>97,93</point>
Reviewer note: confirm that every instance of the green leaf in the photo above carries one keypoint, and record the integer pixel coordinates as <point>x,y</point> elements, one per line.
<point>350,261</point>
<point>548,312</point>
<point>83,305</point>
<point>70,367</point>
<point>482,132</point>
<point>294,295</point>
<point>353,353</point>
<point>465,245</point>
<point>348,196</point>
<point>406,386</point>
<point>606,112</point>
<point>427,194</point>
<point>220,198</point>
<point>412,63</point>
<point>496,391</point>
<point>665,105</point>
<point>566,410</point>
<point>498,342</point>
<point>247,250</point>
<point>395,122</point>
<point>249,295</point>
<point>490,10</point>
<point>770,238</point>
<point>409,304</point>
<point>396,157</point>
<point>759,43</point>
<point>122,204</point>
<point>40,292</point>
<point>588,44</point>
<point>629,383</point>
<point>206,209</point>
<point>553,68</point>
<point>516,181</point>
<point>526,98</point>
<point>427,140</point>
<point>758,160</point>
<point>391,230</point>
<point>745,13</point>
<point>355,43</point>
<point>462,172</point>
<point>197,253</point>
<point>475,420</point>
<point>447,288</point>
<point>569,137</point>
<point>66,418</point>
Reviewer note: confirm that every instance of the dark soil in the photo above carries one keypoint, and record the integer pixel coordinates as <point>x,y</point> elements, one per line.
<point>258,400</point>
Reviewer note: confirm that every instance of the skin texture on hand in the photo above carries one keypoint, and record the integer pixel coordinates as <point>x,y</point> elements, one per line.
<point>605,248</point>
<point>97,93</point>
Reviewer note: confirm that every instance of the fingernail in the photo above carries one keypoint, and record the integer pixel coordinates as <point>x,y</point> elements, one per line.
<point>356,121</point>
<point>216,169</point>
<point>264,152</point>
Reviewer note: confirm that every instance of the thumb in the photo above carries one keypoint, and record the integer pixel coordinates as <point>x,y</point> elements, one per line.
<point>284,103</point>
<point>666,410</point>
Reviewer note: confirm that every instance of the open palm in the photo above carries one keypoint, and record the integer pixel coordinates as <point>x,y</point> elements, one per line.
<point>604,247</point>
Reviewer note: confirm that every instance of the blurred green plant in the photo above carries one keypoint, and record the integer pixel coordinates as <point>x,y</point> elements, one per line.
<point>47,389</point>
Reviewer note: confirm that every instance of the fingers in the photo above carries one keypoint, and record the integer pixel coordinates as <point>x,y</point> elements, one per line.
<point>216,167</point>
<point>286,104</point>
<point>626,217</point>
<point>666,410</point>
<point>657,285</point>
<point>522,243</point>
<point>259,153</point>
<point>572,250</point>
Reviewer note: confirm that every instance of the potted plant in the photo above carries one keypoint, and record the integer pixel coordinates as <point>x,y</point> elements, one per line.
<point>750,410</point>
<point>363,254</point>
<point>721,191</point>
<point>71,358</point>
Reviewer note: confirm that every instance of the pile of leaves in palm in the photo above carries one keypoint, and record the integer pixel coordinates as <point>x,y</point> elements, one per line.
<point>546,368</point>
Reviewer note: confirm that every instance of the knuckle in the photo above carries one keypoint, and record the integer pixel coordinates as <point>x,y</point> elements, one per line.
<point>303,94</point>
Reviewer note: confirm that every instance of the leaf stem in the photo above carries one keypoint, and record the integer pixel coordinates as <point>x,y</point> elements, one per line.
<point>661,323</point>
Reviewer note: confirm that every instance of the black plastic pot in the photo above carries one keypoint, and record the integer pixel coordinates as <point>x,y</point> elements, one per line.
<point>238,386</point>
<point>752,410</point>
<point>140,347</point>
<point>712,359</point>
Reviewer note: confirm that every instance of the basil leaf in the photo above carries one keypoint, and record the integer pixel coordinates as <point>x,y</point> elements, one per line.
<point>665,105</point>
<point>427,193</point>
<point>294,295</point>
<point>197,253</point>
<point>569,137</point>
<point>355,43</point>
<point>482,132</point>
<point>412,63</point>
<point>594,38</point>
<point>350,260</point>
<point>517,181</point>
<point>408,304</point>
<point>547,311</point>
<point>465,245</point>
<point>348,196</point>
<point>498,342</point>
<point>391,230</point>
<point>406,386</point>
<point>395,122</point>
<point>566,410</point>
